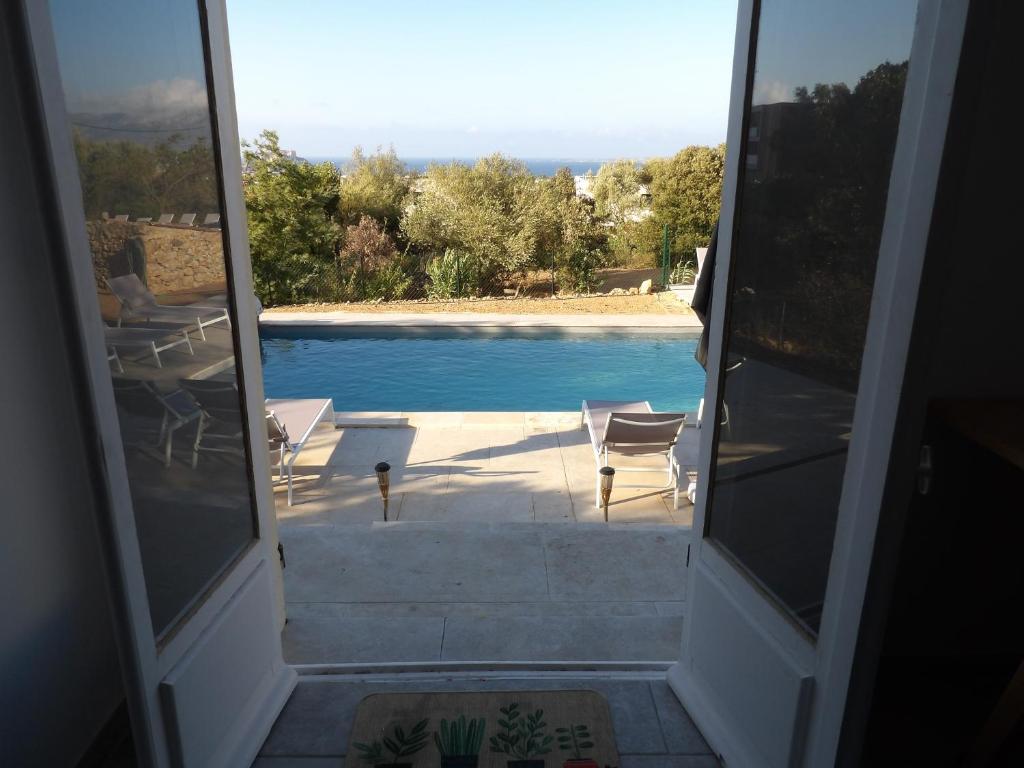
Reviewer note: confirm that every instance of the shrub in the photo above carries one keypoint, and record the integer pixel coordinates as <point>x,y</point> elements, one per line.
<point>453,275</point>
<point>684,273</point>
<point>370,256</point>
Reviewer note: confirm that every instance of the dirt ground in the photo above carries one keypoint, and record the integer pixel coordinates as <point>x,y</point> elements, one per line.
<point>534,303</point>
<point>654,304</point>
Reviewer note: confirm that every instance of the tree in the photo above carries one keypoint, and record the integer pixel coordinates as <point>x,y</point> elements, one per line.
<point>813,208</point>
<point>146,179</point>
<point>582,248</point>
<point>686,191</point>
<point>566,232</point>
<point>481,210</point>
<point>619,191</point>
<point>377,186</point>
<point>293,235</point>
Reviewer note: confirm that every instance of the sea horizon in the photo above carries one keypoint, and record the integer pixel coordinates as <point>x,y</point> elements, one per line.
<point>538,166</point>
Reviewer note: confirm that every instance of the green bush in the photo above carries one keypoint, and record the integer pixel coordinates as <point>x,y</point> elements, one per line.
<point>389,283</point>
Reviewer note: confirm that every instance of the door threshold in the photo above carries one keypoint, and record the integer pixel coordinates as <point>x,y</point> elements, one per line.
<point>477,670</point>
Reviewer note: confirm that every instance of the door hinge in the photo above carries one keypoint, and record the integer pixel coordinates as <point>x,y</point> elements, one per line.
<point>280,553</point>
<point>925,470</point>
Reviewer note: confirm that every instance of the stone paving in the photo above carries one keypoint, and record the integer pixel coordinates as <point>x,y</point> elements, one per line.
<point>471,467</point>
<point>493,549</point>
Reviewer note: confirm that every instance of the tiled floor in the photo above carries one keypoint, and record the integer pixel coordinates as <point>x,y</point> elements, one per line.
<point>651,727</point>
<point>493,549</point>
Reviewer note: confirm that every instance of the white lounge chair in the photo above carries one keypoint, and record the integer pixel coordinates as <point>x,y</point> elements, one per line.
<point>121,217</point>
<point>144,220</point>
<point>211,220</point>
<point>289,425</point>
<point>138,303</point>
<point>220,427</point>
<point>153,339</point>
<point>187,219</point>
<point>142,404</point>
<point>630,428</point>
<point>165,218</point>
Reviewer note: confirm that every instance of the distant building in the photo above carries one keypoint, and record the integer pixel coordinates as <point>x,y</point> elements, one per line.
<point>584,185</point>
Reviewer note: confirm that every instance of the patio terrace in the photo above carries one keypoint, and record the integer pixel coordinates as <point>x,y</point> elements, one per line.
<point>493,550</point>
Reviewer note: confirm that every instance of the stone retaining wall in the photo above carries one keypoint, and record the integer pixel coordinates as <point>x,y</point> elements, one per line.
<point>175,258</point>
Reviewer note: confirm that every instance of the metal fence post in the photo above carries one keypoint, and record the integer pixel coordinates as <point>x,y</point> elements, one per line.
<point>458,275</point>
<point>666,255</point>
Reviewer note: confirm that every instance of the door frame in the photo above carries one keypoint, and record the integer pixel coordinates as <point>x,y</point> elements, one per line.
<point>823,667</point>
<point>150,669</point>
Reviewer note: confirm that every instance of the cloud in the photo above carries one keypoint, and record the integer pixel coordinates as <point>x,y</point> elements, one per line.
<point>149,102</point>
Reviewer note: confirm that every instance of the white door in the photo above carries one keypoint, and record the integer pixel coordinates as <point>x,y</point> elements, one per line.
<point>836,130</point>
<point>140,120</point>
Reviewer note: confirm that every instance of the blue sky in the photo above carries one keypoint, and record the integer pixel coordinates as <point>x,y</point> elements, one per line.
<point>460,78</point>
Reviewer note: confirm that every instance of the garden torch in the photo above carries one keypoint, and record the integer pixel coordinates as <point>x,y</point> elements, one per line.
<point>383,470</point>
<point>607,477</point>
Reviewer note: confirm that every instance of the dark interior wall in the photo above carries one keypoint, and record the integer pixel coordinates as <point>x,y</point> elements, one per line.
<point>59,675</point>
<point>977,350</point>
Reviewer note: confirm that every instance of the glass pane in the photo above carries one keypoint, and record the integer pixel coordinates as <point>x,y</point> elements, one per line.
<point>135,87</point>
<point>823,118</point>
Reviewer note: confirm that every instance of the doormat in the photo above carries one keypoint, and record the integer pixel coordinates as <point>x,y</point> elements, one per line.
<point>490,729</point>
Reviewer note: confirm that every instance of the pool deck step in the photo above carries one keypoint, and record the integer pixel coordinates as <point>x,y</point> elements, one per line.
<point>431,591</point>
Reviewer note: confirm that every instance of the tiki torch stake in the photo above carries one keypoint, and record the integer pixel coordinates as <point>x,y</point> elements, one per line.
<point>607,478</point>
<point>383,470</point>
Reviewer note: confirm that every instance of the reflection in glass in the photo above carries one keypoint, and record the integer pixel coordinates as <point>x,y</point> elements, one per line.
<point>136,95</point>
<point>822,125</point>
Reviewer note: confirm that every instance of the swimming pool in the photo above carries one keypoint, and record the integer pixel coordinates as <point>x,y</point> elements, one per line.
<point>411,370</point>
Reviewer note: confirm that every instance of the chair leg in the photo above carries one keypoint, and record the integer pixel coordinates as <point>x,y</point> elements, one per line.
<point>156,355</point>
<point>289,485</point>
<point>199,325</point>
<point>168,447</point>
<point>188,343</point>
<point>597,488</point>
<point>199,437</point>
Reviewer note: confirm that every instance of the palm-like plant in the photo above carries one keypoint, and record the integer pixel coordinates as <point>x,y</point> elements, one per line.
<point>399,744</point>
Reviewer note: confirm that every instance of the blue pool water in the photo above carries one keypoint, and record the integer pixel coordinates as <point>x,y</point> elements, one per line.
<point>409,371</point>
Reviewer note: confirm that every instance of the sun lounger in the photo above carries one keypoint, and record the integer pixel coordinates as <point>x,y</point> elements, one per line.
<point>140,405</point>
<point>211,220</point>
<point>220,425</point>
<point>144,220</point>
<point>187,219</point>
<point>138,303</point>
<point>153,339</point>
<point>289,425</point>
<point>165,218</point>
<point>121,217</point>
<point>112,357</point>
<point>630,428</point>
